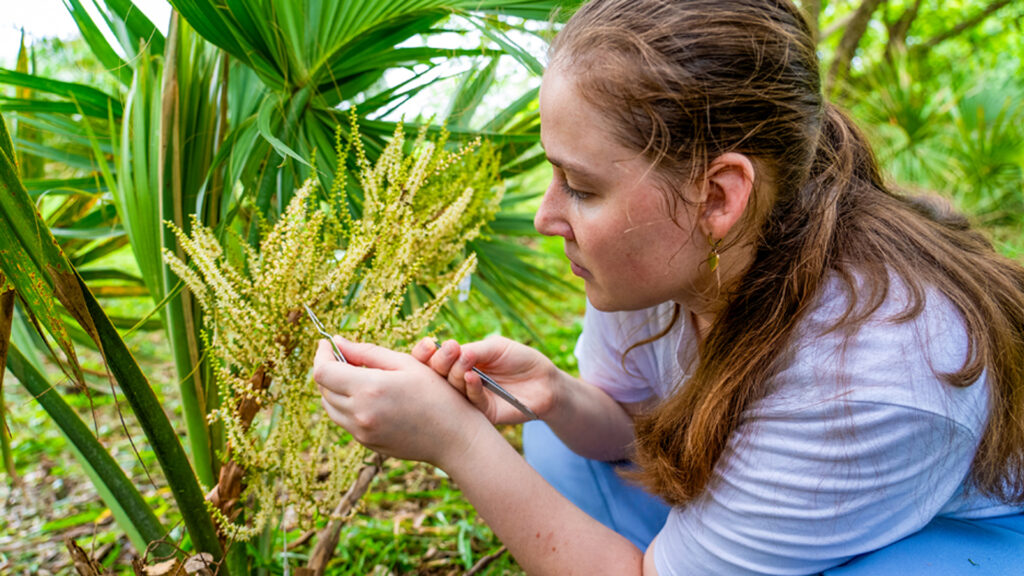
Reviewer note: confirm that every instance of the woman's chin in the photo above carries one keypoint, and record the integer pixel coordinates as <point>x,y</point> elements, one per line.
<point>601,300</point>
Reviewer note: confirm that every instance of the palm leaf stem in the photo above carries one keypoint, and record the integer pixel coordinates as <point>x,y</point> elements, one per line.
<point>162,437</point>
<point>127,505</point>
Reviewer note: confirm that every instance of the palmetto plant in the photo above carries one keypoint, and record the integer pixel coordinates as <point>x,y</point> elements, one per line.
<point>218,120</point>
<point>959,134</point>
<point>987,168</point>
<point>36,270</point>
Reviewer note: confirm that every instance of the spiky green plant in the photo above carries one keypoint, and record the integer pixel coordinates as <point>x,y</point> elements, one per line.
<point>418,211</point>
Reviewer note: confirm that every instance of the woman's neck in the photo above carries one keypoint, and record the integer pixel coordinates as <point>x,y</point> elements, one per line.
<point>708,302</point>
<point>701,324</point>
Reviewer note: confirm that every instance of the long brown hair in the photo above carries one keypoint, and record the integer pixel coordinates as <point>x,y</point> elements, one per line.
<point>688,80</point>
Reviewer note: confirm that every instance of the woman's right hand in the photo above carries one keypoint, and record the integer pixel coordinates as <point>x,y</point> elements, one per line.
<point>525,372</point>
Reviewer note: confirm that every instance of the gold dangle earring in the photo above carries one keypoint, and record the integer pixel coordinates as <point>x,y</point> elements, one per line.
<point>713,255</point>
<point>713,259</point>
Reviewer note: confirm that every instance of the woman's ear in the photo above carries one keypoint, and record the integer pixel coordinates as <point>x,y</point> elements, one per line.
<point>728,184</point>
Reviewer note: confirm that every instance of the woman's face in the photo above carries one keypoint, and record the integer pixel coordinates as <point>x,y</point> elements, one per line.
<point>632,247</point>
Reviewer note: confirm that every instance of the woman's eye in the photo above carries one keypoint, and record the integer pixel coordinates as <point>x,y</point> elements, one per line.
<point>572,192</point>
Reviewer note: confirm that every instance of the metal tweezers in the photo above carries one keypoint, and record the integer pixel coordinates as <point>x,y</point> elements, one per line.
<point>505,395</point>
<point>320,328</point>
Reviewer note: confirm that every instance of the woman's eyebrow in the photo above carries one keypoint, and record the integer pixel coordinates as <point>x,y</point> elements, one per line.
<point>574,168</point>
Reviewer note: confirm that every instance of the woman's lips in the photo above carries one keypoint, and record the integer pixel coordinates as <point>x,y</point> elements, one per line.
<point>578,270</point>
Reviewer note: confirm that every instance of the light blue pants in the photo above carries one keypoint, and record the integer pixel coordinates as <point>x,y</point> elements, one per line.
<point>945,547</point>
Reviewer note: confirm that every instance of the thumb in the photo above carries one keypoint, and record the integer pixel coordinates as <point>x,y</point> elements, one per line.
<point>324,353</point>
<point>486,351</point>
<point>476,395</point>
<point>373,356</point>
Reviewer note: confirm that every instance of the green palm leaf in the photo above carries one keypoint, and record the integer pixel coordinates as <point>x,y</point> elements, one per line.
<point>100,47</point>
<point>133,27</point>
<point>93,102</point>
<point>28,260</point>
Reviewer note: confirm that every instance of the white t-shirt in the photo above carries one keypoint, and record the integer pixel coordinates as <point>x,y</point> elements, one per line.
<point>855,446</point>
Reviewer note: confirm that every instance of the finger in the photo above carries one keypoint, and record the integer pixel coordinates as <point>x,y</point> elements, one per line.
<point>328,372</point>
<point>424,349</point>
<point>338,416</point>
<point>337,400</point>
<point>461,368</point>
<point>476,394</point>
<point>445,356</point>
<point>373,356</point>
<point>324,353</point>
<point>464,364</point>
<point>487,351</point>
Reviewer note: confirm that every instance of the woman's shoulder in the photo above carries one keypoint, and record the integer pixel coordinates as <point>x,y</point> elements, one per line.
<point>898,354</point>
<point>859,443</point>
<point>625,352</point>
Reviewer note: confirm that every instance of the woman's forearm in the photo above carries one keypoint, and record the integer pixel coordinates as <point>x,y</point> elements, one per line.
<point>589,421</point>
<point>544,532</point>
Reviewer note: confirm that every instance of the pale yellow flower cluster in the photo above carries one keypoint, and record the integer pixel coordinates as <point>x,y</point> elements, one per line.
<point>380,276</point>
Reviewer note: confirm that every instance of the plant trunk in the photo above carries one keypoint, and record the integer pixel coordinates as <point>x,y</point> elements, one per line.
<point>964,25</point>
<point>327,539</point>
<point>847,48</point>
<point>898,30</point>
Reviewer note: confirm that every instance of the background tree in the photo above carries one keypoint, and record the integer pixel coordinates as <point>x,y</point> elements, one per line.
<point>938,86</point>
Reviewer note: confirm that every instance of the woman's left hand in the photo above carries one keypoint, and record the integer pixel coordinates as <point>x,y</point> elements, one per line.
<point>393,404</point>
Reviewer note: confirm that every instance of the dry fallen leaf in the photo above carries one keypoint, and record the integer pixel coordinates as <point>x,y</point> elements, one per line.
<point>166,568</point>
<point>199,564</point>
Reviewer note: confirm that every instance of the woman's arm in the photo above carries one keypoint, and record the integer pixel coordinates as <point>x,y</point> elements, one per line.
<point>591,423</point>
<point>544,532</point>
<point>586,418</point>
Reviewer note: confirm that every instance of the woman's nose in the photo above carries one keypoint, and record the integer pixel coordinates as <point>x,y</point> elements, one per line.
<point>550,218</point>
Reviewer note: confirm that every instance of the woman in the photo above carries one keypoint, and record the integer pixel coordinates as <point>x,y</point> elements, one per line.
<point>806,366</point>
